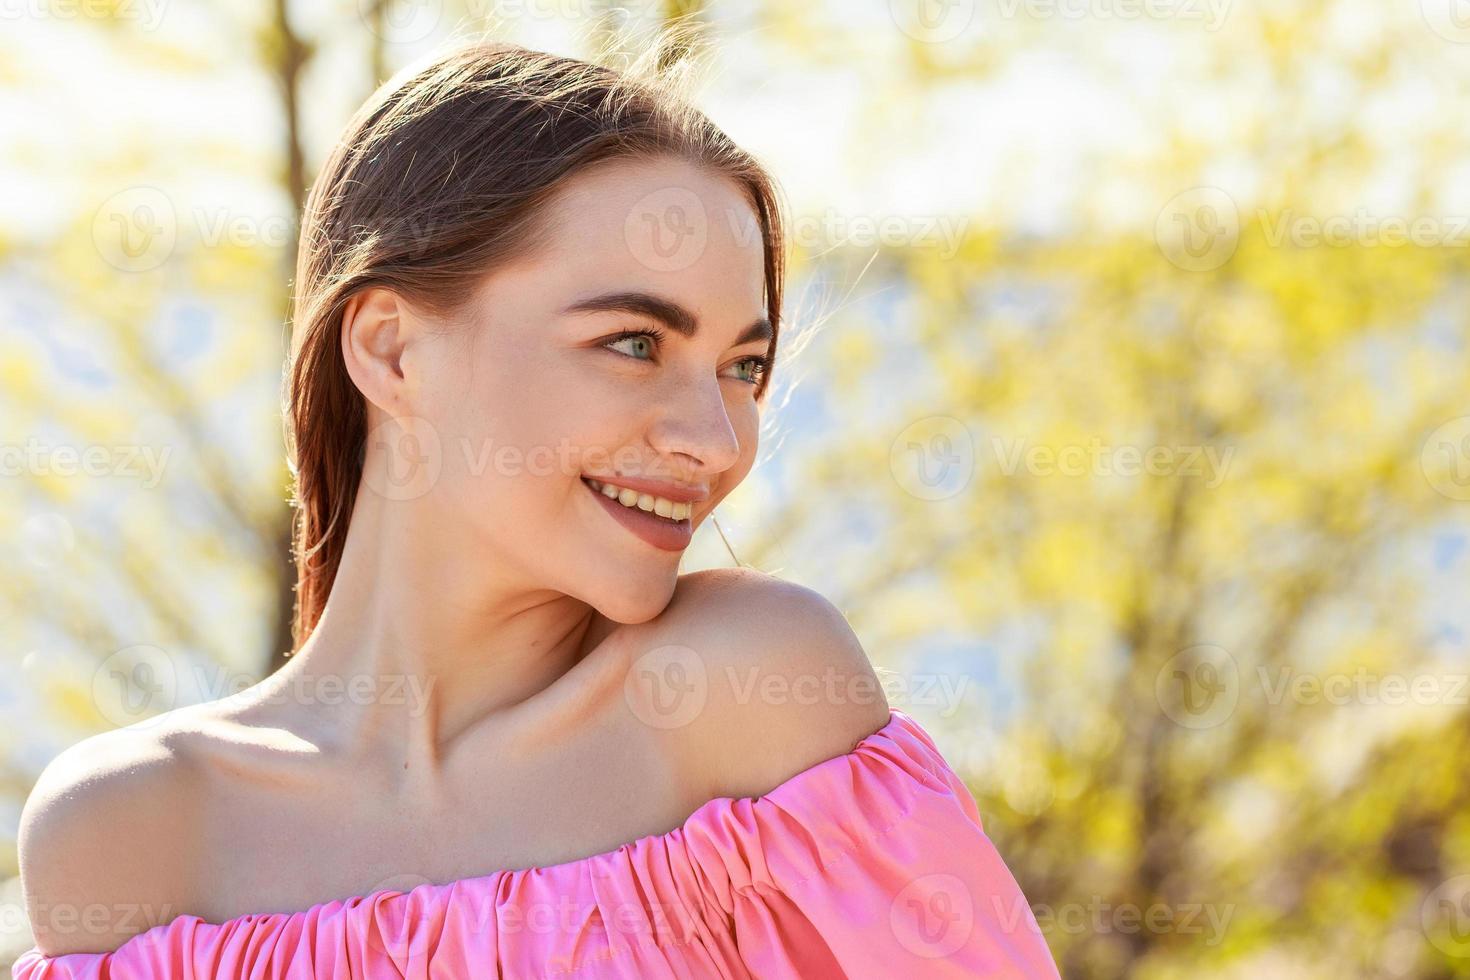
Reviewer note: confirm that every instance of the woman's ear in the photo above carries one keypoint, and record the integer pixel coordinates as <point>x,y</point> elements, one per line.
<point>377,327</point>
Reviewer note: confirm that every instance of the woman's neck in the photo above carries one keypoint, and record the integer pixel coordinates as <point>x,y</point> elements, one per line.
<point>423,641</point>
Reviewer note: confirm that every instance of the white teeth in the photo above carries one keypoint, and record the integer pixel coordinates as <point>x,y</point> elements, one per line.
<point>643,501</point>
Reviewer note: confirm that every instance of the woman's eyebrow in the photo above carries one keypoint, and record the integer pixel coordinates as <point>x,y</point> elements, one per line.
<point>666,311</point>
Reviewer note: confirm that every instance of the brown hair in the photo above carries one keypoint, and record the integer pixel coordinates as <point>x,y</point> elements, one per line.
<point>443,173</point>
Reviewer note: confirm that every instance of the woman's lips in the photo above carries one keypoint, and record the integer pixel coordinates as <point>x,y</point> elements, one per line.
<point>661,532</point>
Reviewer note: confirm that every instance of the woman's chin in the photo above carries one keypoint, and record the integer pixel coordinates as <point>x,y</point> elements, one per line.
<point>630,608</point>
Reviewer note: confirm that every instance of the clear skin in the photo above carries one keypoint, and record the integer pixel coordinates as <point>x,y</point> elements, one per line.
<point>506,591</point>
<point>522,570</point>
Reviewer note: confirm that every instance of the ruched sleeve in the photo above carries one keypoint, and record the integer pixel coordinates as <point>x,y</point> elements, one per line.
<point>873,864</point>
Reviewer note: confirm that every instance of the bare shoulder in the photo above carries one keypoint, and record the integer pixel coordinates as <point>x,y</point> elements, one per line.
<point>104,839</point>
<point>753,679</point>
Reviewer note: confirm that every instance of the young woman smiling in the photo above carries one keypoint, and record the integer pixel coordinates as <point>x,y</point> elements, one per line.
<point>536,310</point>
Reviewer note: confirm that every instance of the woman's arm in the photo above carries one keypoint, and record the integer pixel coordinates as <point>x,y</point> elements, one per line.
<point>104,842</point>
<point>757,678</point>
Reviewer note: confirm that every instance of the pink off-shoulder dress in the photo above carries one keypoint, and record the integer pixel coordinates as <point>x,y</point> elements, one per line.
<point>872,864</point>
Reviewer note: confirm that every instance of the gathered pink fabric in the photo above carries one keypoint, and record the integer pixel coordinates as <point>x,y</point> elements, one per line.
<point>869,864</point>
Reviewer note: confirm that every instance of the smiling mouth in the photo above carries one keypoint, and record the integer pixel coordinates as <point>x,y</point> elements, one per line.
<point>665,533</point>
<point>670,511</point>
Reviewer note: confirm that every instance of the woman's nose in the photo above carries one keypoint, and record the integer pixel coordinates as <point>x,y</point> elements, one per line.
<point>694,430</point>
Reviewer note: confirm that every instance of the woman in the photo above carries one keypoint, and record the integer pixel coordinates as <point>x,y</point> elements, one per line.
<point>536,307</point>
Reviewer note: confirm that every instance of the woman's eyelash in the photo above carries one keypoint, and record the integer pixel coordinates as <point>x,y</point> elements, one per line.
<point>657,335</point>
<point>762,366</point>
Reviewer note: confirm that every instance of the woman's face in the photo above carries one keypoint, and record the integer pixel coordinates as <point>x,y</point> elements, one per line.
<point>534,394</point>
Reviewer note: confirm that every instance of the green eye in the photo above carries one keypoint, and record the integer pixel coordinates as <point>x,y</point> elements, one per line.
<point>643,340</point>
<point>757,367</point>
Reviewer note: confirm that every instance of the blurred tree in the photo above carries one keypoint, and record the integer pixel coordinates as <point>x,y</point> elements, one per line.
<point>1140,456</point>
<point>1156,749</point>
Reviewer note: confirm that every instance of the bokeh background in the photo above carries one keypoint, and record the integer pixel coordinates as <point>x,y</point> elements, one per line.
<point>1124,410</point>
